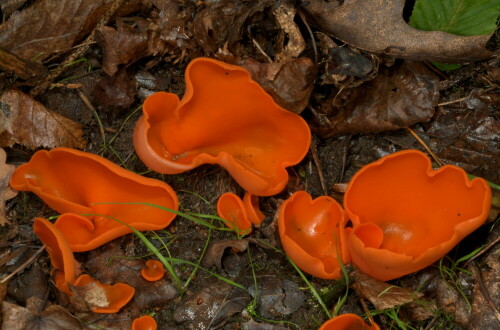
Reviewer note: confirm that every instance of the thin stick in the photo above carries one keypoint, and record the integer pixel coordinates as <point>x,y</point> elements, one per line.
<point>433,155</point>
<point>483,251</point>
<point>24,265</point>
<point>315,49</point>
<point>454,101</point>
<point>484,291</point>
<point>258,46</point>
<point>94,111</point>
<point>315,157</point>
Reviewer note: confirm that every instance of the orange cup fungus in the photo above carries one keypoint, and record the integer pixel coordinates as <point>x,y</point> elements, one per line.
<point>406,215</point>
<point>348,322</point>
<point>74,182</point>
<point>67,268</point>
<point>251,203</point>
<point>145,322</point>
<point>230,207</point>
<point>312,234</point>
<point>154,271</point>
<point>224,118</point>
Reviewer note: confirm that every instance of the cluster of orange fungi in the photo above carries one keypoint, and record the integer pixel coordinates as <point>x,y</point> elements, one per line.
<point>403,215</point>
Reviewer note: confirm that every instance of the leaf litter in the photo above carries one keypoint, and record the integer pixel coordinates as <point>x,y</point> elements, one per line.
<point>356,92</point>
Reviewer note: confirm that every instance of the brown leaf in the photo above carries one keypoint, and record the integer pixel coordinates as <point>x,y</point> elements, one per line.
<point>118,90</point>
<point>89,296</point>
<point>221,22</point>
<point>50,26</point>
<point>53,318</point>
<point>381,294</point>
<point>121,46</point>
<point>398,97</point>
<point>6,192</point>
<point>295,45</point>
<point>378,26</point>
<point>213,256</point>
<point>26,121</point>
<point>289,83</point>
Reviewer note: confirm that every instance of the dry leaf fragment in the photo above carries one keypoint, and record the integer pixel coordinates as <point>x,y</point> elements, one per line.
<point>26,121</point>
<point>6,191</point>
<point>397,97</point>
<point>53,318</point>
<point>378,26</point>
<point>285,14</point>
<point>290,83</point>
<point>49,26</point>
<point>381,294</point>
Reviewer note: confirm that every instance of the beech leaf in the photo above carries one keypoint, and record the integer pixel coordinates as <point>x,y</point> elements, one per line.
<point>378,26</point>
<point>26,121</point>
<point>5,191</point>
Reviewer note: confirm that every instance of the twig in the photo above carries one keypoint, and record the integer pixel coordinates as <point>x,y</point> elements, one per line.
<point>21,67</point>
<point>314,153</point>
<point>313,41</point>
<point>454,101</point>
<point>24,265</point>
<point>433,155</point>
<point>483,251</point>
<point>258,45</point>
<point>367,311</point>
<point>117,4</point>
<point>484,291</point>
<point>94,111</point>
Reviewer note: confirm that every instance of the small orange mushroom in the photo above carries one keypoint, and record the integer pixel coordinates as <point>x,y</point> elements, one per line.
<point>67,268</point>
<point>224,118</point>
<point>61,256</point>
<point>231,208</point>
<point>117,295</point>
<point>72,181</point>
<point>406,215</point>
<point>251,203</point>
<point>313,235</point>
<point>154,271</point>
<point>144,322</point>
<point>348,322</point>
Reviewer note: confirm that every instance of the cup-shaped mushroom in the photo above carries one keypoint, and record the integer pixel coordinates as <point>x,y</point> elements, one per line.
<point>230,207</point>
<point>61,256</point>
<point>312,233</point>
<point>251,203</point>
<point>144,322</point>
<point>224,118</point>
<point>117,295</point>
<point>153,271</point>
<point>406,215</point>
<point>348,322</point>
<point>72,181</point>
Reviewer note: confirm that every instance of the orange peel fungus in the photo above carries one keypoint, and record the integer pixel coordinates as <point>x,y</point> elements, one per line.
<point>312,234</point>
<point>348,322</point>
<point>406,215</point>
<point>224,118</point>
<point>75,182</point>
<point>67,268</point>
<point>153,271</point>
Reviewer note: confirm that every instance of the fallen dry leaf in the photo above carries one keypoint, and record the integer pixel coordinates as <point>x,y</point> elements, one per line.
<point>213,256</point>
<point>381,294</point>
<point>121,46</point>
<point>26,121</point>
<point>50,26</point>
<point>290,83</point>
<point>222,22</point>
<point>6,192</point>
<point>89,296</point>
<point>119,90</point>
<point>295,45</point>
<point>212,306</point>
<point>378,26</point>
<point>53,318</point>
<point>398,97</point>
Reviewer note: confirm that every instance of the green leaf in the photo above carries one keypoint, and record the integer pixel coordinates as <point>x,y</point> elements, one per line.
<point>461,17</point>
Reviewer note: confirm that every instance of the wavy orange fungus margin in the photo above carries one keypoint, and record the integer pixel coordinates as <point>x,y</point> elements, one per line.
<point>224,118</point>
<point>405,216</point>
<point>75,182</point>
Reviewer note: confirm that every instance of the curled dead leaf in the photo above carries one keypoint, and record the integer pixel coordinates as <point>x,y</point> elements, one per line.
<point>398,97</point>
<point>381,294</point>
<point>26,121</point>
<point>378,26</point>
